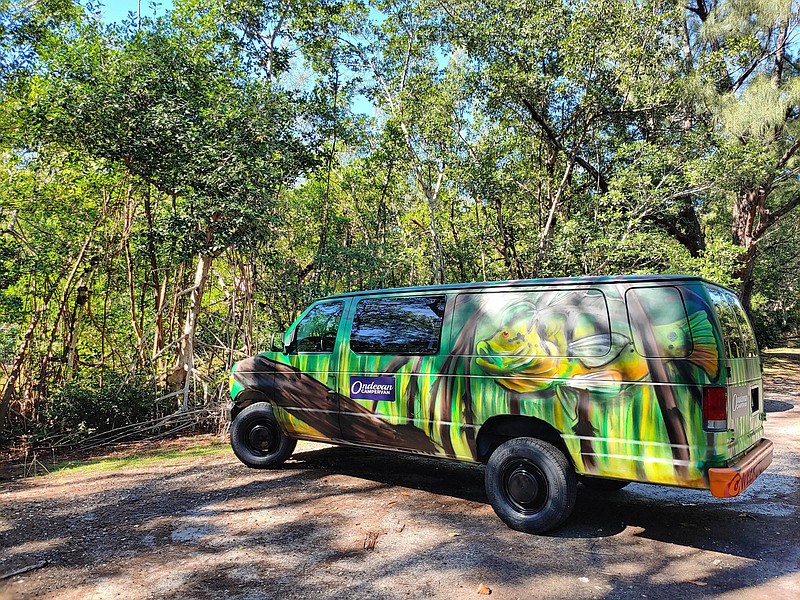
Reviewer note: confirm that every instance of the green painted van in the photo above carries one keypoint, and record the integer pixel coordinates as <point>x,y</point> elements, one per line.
<point>551,382</point>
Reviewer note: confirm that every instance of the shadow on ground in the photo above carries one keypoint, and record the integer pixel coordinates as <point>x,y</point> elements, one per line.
<point>217,528</point>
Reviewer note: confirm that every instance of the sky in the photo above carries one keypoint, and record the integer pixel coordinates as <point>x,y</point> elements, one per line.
<point>115,11</point>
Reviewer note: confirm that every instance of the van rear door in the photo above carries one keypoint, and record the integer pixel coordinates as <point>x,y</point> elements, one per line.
<point>742,368</point>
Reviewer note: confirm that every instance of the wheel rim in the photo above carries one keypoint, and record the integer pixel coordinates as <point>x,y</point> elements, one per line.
<point>525,486</point>
<point>263,438</point>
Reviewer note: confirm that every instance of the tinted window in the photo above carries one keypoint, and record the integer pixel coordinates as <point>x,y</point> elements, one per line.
<point>317,331</point>
<point>748,337</point>
<point>398,325</point>
<point>739,340</point>
<point>659,322</point>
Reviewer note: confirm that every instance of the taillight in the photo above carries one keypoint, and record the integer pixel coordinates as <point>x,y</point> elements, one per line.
<point>715,408</point>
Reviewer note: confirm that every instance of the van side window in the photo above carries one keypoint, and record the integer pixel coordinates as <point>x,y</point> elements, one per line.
<point>404,325</point>
<point>317,331</point>
<point>659,322</point>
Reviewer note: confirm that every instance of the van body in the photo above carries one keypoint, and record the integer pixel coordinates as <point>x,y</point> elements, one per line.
<point>606,380</point>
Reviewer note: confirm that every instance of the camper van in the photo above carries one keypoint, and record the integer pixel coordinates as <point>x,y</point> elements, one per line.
<point>549,383</point>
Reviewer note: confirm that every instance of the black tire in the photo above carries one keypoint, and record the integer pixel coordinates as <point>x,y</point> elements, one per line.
<point>598,484</point>
<point>257,439</point>
<point>530,484</point>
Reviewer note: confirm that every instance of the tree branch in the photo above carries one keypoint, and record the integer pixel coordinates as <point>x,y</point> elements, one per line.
<point>788,154</point>
<point>771,217</point>
<point>553,138</point>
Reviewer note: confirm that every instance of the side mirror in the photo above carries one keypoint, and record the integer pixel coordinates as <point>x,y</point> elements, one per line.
<point>276,342</point>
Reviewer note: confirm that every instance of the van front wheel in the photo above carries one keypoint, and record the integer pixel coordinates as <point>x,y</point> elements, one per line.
<point>257,440</point>
<point>530,484</point>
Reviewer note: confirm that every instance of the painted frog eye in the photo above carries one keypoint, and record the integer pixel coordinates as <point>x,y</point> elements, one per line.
<point>505,333</point>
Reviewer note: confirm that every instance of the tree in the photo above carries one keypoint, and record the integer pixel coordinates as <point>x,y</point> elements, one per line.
<point>750,94</point>
<point>181,117</point>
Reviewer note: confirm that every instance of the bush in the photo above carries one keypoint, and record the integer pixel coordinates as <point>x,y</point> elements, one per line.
<point>88,406</point>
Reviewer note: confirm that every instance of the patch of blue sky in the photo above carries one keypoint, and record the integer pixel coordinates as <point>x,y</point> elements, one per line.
<point>116,11</point>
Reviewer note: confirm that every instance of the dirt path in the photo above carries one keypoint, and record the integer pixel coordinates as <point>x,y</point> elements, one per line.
<point>207,527</point>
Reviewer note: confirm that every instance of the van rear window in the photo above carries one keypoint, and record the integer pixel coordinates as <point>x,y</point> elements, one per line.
<point>404,325</point>
<point>736,331</point>
<point>748,337</point>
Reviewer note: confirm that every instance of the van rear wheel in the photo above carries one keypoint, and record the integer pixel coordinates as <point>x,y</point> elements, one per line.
<point>530,484</point>
<point>257,439</point>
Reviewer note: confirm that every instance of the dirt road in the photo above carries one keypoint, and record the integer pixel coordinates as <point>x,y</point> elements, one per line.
<point>346,523</point>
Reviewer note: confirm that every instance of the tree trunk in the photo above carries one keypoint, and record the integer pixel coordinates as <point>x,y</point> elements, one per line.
<point>159,291</point>
<point>184,364</point>
<point>22,355</point>
<point>28,338</point>
<point>744,273</point>
<point>506,242</point>
<point>137,330</point>
<point>431,194</point>
<point>746,212</point>
<point>437,252</point>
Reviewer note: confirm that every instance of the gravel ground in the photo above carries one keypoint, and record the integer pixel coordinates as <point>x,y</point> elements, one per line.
<point>340,522</point>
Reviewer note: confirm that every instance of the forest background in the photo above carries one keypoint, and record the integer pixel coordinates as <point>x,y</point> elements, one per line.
<point>175,188</point>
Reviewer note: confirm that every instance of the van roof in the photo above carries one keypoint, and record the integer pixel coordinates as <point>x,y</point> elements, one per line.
<point>511,284</point>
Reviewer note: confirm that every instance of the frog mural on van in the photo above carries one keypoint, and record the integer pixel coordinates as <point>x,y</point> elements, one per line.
<point>533,350</point>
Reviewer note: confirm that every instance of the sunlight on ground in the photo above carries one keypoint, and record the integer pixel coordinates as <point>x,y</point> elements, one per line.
<point>785,586</point>
<point>139,459</point>
<point>777,360</point>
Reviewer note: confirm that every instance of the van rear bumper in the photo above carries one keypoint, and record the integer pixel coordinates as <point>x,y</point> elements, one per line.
<point>727,482</point>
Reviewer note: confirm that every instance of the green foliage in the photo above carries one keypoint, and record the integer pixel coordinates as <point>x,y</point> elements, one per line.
<point>23,27</point>
<point>9,334</point>
<point>321,146</point>
<point>182,118</point>
<point>98,403</point>
<point>776,303</point>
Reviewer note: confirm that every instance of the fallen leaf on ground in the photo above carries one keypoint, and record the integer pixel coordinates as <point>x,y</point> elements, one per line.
<point>370,540</point>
